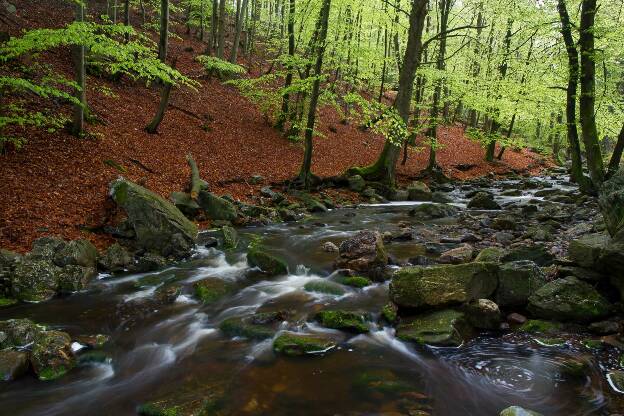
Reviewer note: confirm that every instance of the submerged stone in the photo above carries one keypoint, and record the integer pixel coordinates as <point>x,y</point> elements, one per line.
<point>346,321</point>
<point>258,326</point>
<point>437,286</point>
<point>211,289</point>
<point>268,263</point>
<point>444,328</point>
<point>324,286</point>
<point>297,344</point>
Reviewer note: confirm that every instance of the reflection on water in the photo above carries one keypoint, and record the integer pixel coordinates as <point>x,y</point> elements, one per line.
<point>161,349</point>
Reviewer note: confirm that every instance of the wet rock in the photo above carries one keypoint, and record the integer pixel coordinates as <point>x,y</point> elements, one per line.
<point>437,286</point>
<point>159,226</point>
<point>354,281</point>
<point>503,238</point>
<point>538,326</point>
<point>441,198</point>
<point>52,356</point>
<point>78,253</point>
<point>535,253</point>
<point>74,278</point>
<point>586,251</point>
<point>363,252</point>
<point>276,197</point>
<point>324,286</point>
<point>268,263</point>
<point>568,299</point>
<point>517,281</point>
<point>422,261</point>
<point>216,208</point>
<point>581,273</point>
<point>483,200</point>
<point>18,332</point>
<point>357,183</point>
<point>611,201</point>
<point>440,328</point>
<point>297,344</point>
<point>390,312</point>
<point>505,222</point>
<point>430,211</point>
<point>329,247</point>
<point>149,262</point>
<point>345,321</point>
<point>483,314</point>
<point>168,293</point>
<point>491,255</point>
<point>187,205</point>
<point>311,203</point>
<point>516,318</point>
<point>541,233</point>
<point>13,364</point>
<point>605,327</point>
<point>257,327</point>
<point>115,259</point>
<point>45,248</point>
<point>461,254</point>
<point>35,280</point>
<point>230,237</point>
<point>419,191</point>
<point>211,289</point>
<point>518,411</point>
<point>95,342</point>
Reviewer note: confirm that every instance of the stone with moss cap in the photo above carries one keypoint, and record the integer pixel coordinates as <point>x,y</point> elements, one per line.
<point>258,257</point>
<point>211,289</point>
<point>446,327</point>
<point>490,255</point>
<point>52,356</point>
<point>159,226</point>
<point>343,320</point>
<point>259,326</point>
<point>363,252</point>
<point>35,280</point>
<point>438,286</point>
<point>296,344</point>
<point>324,286</point>
<point>518,411</point>
<point>354,281</point>
<point>517,281</point>
<point>568,299</point>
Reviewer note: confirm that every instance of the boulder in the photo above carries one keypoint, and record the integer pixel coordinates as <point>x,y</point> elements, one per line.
<point>586,250</point>
<point>611,201</point>
<point>430,211</point>
<point>44,248</point>
<point>357,183</point>
<point>73,278</point>
<point>257,327</point>
<point>52,355</point>
<point>363,252</point>
<point>517,281</point>
<point>187,205</point>
<point>458,255</point>
<point>438,286</point>
<point>329,247</point>
<point>440,328</point>
<point>419,191</point>
<point>268,263</point>
<point>76,253</point>
<point>568,299</point>
<point>346,321</point>
<point>535,253</point>
<point>294,344</point>
<point>13,364</point>
<point>159,226</point>
<point>230,237</point>
<point>115,259</point>
<point>505,222</point>
<point>18,332</point>
<point>216,208</point>
<point>324,286</point>
<point>518,411</point>
<point>483,200</point>
<point>483,314</point>
<point>211,289</point>
<point>491,255</point>
<point>441,198</point>
<point>35,280</point>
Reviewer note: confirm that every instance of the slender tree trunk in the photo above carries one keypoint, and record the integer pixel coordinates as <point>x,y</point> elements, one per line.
<point>573,78</point>
<point>384,169</point>
<point>305,175</point>
<point>143,11</point>
<point>201,20</point>
<point>163,43</point>
<point>239,28</point>
<point>127,18</point>
<point>79,69</point>
<point>616,157</point>
<point>221,42</point>
<point>284,114</point>
<point>587,101</point>
<point>165,92</point>
<point>212,44</point>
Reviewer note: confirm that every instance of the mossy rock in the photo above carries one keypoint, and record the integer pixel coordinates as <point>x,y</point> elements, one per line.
<point>230,237</point>
<point>257,327</point>
<point>537,326</point>
<point>296,344</point>
<point>35,280</point>
<point>517,281</point>
<point>211,289</point>
<point>390,312</point>
<point>217,208</point>
<point>324,286</point>
<point>490,255</point>
<point>355,281</point>
<point>518,411</point>
<point>52,356</point>
<point>268,263</point>
<point>440,328</point>
<point>346,321</point>
<point>4,302</point>
<point>18,332</point>
<point>77,253</point>
<point>74,278</point>
<point>438,286</point>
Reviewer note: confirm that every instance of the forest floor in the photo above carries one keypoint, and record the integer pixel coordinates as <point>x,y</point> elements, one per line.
<point>58,184</point>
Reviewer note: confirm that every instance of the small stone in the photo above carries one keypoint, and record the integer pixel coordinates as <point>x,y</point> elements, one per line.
<point>329,247</point>
<point>516,318</point>
<point>296,344</point>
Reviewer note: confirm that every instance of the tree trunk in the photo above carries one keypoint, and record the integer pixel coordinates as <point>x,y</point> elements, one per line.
<point>305,175</point>
<point>573,76</point>
<point>616,157</point>
<point>152,128</point>
<point>239,28</point>
<point>384,169</point>
<point>201,20</point>
<point>289,76</point>
<point>212,45</point>
<point>221,41</point>
<point>79,69</point>
<point>163,43</point>
<point>587,101</point>
<point>127,18</point>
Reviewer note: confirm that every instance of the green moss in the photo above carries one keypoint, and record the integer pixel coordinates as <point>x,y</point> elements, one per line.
<point>52,373</point>
<point>442,327</point>
<point>550,342</point>
<point>7,302</point>
<point>538,326</point>
<point>347,321</point>
<point>324,286</point>
<point>266,262</point>
<point>294,344</point>
<point>211,290</point>
<point>381,381</point>
<point>152,409</point>
<point>592,344</point>
<point>237,327</point>
<point>355,281</point>
<point>389,312</point>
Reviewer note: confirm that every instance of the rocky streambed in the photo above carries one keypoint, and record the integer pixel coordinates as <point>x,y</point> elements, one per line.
<point>478,298</point>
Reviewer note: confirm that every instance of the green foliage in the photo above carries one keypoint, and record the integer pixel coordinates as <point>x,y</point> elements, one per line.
<point>380,118</point>
<point>219,67</point>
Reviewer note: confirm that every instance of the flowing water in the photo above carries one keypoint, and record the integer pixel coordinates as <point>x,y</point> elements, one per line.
<point>177,349</point>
